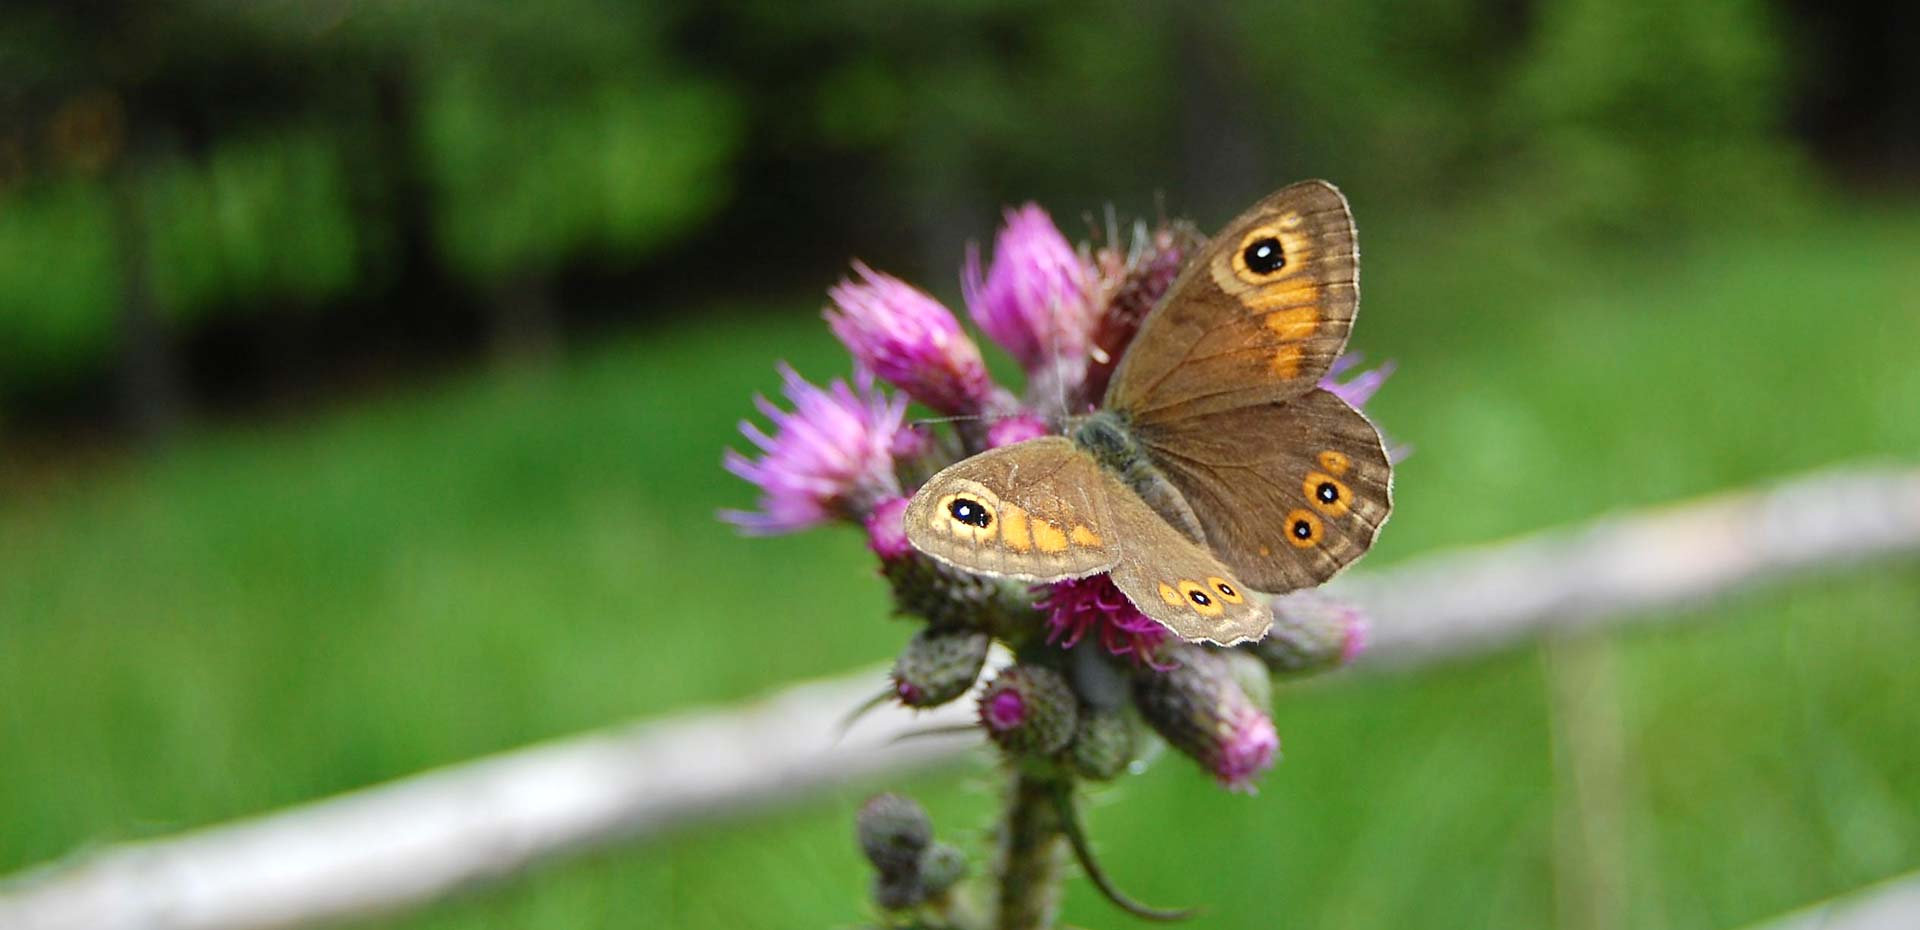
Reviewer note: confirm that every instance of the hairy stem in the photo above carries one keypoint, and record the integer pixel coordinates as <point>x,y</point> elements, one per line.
<point>1029,856</point>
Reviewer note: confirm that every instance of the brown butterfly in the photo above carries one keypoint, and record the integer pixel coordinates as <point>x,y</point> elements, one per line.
<point>1217,467</point>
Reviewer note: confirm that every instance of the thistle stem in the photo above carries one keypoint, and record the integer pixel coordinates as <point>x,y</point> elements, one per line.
<point>1029,856</point>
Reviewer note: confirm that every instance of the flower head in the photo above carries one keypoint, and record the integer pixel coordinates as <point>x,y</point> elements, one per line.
<point>1103,744</point>
<point>887,529</point>
<point>910,340</point>
<point>1247,750</point>
<point>1004,710</point>
<point>1036,299</point>
<point>1312,632</point>
<point>831,456</point>
<point>939,665</point>
<point>1133,279</point>
<point>1198,707</point>
<point>893,830</point>
<point>1078,607</point>
<point>1359,637</point>
<point>1029,710</point>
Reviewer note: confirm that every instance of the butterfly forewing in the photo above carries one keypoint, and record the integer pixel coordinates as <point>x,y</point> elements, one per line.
<point>1258,316</point>
<point>1034,510</point>
<point>1287,494</point>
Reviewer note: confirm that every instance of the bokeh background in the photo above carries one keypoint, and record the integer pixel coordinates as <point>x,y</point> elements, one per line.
<point>365,367</point>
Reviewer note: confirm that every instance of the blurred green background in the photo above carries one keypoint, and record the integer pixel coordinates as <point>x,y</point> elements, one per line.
<point>364,370</point>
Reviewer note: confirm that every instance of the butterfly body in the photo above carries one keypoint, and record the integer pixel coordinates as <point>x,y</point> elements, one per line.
<point>1217,467</point>
<point>1106,437</point>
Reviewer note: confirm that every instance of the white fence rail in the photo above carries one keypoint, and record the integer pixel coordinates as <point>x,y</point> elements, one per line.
<point>401,844</point>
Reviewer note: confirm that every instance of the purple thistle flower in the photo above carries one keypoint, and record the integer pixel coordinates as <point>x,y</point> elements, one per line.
<point>887,529</point>
<point>915,441</point>
<point>1247,750</point>
<point>1359,637</point>
<point>1199,707</point>
<point>898,332</point>
<point>1078,607</point>
<point>1360,388</point>
<point>1003,711</point>
<point>1312,632</point>
<point>1019,428</point>
<point>832,456</point>
<point>1029,710</point>
<point>1036,299</point>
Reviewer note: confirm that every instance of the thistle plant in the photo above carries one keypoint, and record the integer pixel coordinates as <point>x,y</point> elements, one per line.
<point>1092,683</point>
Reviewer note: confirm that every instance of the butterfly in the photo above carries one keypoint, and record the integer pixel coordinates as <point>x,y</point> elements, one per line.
<point>1216,467</point>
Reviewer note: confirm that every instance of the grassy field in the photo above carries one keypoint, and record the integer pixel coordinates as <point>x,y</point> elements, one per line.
<point>278,612</point>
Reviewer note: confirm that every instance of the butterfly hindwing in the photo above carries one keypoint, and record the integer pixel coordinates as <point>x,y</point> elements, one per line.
<point>1175,581</point>
<point>1034,510</point>
<point>1258,316</point>
<point>1288,494</point>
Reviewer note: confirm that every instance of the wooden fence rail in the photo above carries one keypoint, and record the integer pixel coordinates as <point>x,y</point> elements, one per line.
<point>398,845</point>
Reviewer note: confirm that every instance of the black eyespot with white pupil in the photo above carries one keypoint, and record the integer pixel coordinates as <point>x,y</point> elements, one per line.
<point>1199,597</point>
<point>970,512</point>
<point>1226,589</point>
<point>1327,492</point>
<point>1264,256</point>
<point>1302,529</point>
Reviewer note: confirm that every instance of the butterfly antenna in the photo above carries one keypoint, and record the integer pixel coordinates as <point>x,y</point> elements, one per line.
<point>962,418</point>
<point>1083,851</point>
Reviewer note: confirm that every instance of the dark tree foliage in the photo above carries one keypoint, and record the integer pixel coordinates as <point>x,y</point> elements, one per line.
<point>203,202</point>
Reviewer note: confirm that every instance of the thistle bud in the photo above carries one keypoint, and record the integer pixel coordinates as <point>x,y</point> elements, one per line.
<point>1251,675</point>
<point>893,831</point>
<point>1028,710</point>
<point>941,867</point>
<point>1102,744</point>
<point>1312,633</point>
<point>897,892</point>
<point>938,665</point>
<point>942,595</point>
<point>1200,709</point>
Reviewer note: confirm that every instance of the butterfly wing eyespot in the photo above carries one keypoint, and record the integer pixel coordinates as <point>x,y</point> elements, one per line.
<point>1032,510</point>
<point>1227,590</point>
<point>1335,462</point>
<point>1200,600</point>
<point>1327,494</point>
<point>969,516</point>
<point>1304,529</point>
<point>1262,254</point>
<point>967,511</point>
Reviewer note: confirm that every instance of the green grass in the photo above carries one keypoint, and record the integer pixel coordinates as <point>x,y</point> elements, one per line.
<point>280,612</point>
